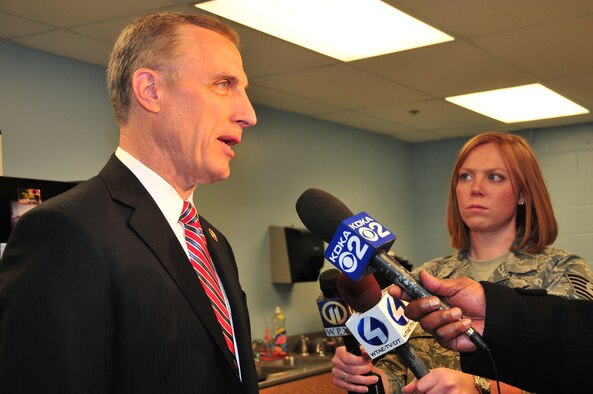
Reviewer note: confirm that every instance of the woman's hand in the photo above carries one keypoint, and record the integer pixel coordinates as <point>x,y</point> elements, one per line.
<point>349,371</point>
<point>443,380</point>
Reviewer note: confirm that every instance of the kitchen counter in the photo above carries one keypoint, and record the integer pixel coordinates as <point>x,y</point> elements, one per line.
<point>281,371</point>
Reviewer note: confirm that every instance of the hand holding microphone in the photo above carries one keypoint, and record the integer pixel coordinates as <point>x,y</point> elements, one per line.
<point>380,326</point>
<point>463,293</point>
<point>334,313</point>
<point>357,245</point>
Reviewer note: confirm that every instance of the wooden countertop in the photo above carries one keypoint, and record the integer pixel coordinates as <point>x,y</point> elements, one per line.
<point>282,374</point>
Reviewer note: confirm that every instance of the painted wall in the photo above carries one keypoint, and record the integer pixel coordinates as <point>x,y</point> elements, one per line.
<point>55,116</point>
<point>57,123</point>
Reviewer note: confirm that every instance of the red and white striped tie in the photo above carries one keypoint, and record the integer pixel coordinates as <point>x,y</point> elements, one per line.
<point>202,263</point>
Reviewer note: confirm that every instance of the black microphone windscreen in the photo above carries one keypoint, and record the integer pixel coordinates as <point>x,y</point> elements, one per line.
<point>328,282</point>
<point>361,295</point>
<point>321,213</point>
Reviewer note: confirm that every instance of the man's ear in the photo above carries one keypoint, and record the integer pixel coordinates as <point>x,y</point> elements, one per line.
<point>147,89</point>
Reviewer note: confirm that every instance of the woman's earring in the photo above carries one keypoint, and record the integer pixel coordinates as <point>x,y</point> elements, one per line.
<point>521,202</point>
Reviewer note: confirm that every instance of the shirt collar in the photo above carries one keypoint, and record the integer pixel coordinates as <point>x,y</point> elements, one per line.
<point>165,196</point>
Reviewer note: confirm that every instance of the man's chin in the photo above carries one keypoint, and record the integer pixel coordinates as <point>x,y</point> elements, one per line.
<point>216,177</point>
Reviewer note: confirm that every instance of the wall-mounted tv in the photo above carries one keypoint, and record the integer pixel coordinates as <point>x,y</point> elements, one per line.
<point>18,195</point>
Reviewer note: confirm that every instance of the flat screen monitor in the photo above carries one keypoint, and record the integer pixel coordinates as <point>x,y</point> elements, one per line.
<point>18,195</point>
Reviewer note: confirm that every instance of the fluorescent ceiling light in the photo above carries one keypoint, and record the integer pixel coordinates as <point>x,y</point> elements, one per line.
<point>343,29</point>
<point>519,103</point>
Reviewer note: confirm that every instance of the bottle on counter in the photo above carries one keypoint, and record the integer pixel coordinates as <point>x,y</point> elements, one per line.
<point>280,338</point>
<point>268,351</point>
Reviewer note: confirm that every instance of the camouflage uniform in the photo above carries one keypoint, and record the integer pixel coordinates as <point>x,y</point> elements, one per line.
<point>556,271</point>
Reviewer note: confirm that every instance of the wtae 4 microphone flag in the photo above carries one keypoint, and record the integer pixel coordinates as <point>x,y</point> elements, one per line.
<point>383,327</point>
<point>334,314</point>
<point>355,243</point>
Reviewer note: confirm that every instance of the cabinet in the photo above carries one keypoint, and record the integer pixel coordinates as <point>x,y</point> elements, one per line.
<point>321,384</point>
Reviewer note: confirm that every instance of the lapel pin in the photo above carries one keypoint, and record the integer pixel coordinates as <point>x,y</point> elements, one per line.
<point>213,235</point>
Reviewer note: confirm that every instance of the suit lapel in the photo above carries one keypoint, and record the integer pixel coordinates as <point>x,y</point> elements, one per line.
<point>223,259</point>
<point>151,226</point>
<point>229,280</point>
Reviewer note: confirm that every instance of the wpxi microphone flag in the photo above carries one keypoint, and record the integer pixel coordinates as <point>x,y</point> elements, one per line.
<point>334,314</point>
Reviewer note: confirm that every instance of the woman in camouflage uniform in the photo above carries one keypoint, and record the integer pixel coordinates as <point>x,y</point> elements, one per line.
<point>501,221</point>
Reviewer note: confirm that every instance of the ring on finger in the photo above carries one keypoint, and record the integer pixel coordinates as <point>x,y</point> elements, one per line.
<point>345,377</point>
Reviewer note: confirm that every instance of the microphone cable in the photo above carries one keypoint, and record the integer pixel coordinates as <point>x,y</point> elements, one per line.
<point>478,385</point>
<point>491,357</point>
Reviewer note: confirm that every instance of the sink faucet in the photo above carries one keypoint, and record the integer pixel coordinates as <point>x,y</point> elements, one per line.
<point>321,346</point>
<point>303,346</point>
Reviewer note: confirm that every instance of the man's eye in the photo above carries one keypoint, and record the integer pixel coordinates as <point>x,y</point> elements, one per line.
<point>224,85</point>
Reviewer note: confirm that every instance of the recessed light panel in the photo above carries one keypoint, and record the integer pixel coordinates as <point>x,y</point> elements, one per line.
<point>343,29</point>
<point>519,103</point>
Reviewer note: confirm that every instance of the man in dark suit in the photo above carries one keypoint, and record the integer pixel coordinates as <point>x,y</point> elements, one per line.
<point>97,291</point>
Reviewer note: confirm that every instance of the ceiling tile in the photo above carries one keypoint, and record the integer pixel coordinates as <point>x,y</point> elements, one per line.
<point>343,86</point>
<point>70,45</point>
<point>446,69</point>
<point>12,26</point>
<point>65,13</point>
<point>287,102</point>
<point>365,122</point>
<point>418,136</point>
<point>104,31</point>
<point>431,115</point>
<point>548,51</point>
<point>489,17</point>
<point>579,87</point>
<point>458,132</point>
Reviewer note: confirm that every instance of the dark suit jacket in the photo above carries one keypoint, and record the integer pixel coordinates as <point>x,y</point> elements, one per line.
<point>98,296</point>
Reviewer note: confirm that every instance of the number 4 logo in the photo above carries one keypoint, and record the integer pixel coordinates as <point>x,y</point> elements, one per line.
<point>395,308</point>
<point>373,331</point>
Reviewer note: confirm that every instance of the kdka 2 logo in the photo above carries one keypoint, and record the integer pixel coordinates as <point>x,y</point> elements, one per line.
<point>355,243</point>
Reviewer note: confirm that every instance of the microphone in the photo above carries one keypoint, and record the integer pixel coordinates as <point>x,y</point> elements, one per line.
<point>334,312</point>
<point>358,244</point>
<point>380,323</point>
